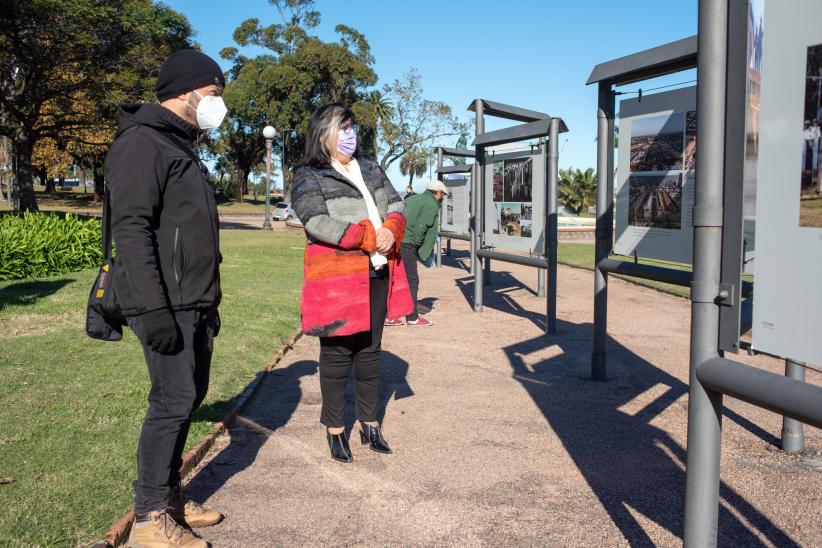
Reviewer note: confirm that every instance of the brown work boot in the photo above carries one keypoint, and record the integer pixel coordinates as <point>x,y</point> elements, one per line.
<point>159,530</point>
<point>191,513</point>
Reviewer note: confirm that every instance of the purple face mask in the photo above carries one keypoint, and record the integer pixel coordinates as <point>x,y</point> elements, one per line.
<point>347,143</point>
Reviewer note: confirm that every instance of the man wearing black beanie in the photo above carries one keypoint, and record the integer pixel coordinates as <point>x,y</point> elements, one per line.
<point>167,280</point>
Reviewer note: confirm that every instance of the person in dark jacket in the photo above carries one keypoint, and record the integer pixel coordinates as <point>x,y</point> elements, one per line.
<point>418,242</point>
<point>167,278</point>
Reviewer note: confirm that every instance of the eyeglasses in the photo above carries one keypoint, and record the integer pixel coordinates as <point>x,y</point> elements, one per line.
<point>345,128</point>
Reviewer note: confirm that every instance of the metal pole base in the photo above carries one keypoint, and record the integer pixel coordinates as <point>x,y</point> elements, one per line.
<point>486,280</point>
<point>793,433</point>
<point>598,366</point>
<point>540,282</point>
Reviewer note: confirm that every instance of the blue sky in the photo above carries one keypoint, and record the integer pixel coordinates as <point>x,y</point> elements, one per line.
<point>530,53</point>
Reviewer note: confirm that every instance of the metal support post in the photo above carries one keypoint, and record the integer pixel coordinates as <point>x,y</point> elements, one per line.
<point>438,243</point>
<point>604,227</point>
<point>448,247</point>
<point>793,435</point>
<point>540,282</point>
<point>479,179</point>
<point>705,405</point>
<point>551,239</point>
<point>438,240</point>
<point>267,221</point>
<point>487,276</point>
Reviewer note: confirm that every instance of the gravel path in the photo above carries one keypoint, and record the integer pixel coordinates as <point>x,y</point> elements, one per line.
<point>500,439</point>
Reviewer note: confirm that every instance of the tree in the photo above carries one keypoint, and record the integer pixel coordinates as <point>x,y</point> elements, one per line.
<point>414,162</point>
<point>415,121</point>
<point>577,189</point>
<point>301,73</point>
<point>51,50</point>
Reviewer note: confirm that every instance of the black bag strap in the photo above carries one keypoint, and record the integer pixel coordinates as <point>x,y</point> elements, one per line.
<point>106,224</point>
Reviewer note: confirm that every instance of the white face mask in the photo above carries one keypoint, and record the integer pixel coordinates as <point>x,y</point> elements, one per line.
<point>210,111</point>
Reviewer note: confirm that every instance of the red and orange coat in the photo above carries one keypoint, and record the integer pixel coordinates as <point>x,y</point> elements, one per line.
<point>335,298</point>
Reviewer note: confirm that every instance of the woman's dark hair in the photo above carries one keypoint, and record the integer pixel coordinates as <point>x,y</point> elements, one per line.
<point>323,129</point>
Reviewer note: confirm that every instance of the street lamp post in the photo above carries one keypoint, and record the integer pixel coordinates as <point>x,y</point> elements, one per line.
<point>269,133</point>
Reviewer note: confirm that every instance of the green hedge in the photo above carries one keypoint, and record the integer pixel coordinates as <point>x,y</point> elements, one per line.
<point>38,245</point>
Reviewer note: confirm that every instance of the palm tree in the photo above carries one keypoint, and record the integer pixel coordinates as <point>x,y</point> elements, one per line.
<point>381,104</point>
<point>577,189</point>
<point>414,162</point>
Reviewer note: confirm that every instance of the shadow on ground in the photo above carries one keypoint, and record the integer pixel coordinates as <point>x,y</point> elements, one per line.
<point>272,407</point>
<point>634,468</point>
<point>27,293</point>
<point>233,225</point>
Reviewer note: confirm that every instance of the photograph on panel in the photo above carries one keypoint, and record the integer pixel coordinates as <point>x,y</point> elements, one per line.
<point>499,175</point>
<point>526,230</point>
<point>518,180</point>
<point>689,156</point>
<point>657,142</point>
<point>527,212</point>
<point>497,218</point>
<point>810,197</point>
<point>449,208</point>
<point>655,201</point>
<point>511,219</point>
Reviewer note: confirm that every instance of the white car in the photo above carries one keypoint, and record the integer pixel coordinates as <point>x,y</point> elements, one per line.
<point>283,212</point>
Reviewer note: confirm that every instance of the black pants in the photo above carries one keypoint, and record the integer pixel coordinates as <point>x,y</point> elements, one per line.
<point>410,255</point>
<point>362,352</point>
<point>179,382</point>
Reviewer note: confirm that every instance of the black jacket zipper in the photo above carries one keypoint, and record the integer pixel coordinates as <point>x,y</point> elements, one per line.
<point>178,276</point>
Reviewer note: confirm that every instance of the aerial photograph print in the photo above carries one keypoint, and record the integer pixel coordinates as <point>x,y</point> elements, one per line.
<point>657,142</point>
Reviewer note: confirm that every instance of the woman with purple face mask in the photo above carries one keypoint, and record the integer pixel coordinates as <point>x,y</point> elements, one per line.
<point>354,222</point>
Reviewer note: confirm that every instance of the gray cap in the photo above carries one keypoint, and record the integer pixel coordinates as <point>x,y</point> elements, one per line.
<point>436,186</point>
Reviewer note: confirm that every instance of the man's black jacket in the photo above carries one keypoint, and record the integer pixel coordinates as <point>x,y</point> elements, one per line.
<point>163,214</point>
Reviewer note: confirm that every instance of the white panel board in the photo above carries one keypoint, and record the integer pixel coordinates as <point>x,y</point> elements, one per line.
<point>655,176</point>
<point>788,290</point>
<point>455,207</point>
<point>515,200</point>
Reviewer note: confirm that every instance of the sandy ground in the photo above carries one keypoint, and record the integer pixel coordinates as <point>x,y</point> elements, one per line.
<point>500,439</point>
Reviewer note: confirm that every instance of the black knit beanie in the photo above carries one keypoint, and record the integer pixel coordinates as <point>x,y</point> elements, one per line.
<point>187,70</point>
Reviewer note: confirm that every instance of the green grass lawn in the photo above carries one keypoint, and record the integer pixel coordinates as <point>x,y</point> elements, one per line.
<point>72,407</point>
<point>78,202</point>
<point>582,255</point>
<point>810,212</point>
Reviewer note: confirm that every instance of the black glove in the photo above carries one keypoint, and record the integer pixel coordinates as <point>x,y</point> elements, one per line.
<point>160,330</point>
<point>217,323</point>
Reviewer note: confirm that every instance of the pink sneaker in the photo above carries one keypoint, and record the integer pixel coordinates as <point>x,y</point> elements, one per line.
<point>420,321</point>
<point>397,321</point>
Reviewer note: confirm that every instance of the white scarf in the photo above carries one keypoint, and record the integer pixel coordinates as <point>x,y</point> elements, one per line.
<point>354,175</point>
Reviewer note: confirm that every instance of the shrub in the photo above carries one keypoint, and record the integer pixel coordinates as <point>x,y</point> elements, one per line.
<point>36,245</point>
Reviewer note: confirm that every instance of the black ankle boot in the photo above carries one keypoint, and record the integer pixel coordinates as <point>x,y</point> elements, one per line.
<point>338,443</point>
<point>372,435</point>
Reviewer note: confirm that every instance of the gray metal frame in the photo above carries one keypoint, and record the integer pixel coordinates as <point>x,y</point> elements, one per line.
<point>537,125</point>
<point>716,290</point>
<point>658,61</point>
<point>732,234</point>
<point>712,375</point>
<point>443,170</point>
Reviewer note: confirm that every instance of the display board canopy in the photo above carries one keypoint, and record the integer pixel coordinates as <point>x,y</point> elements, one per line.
<point>464,168</point>
<point>509,112</point>
<point>455,152</point>
<point>650,63</point>
<point>522,132</point>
